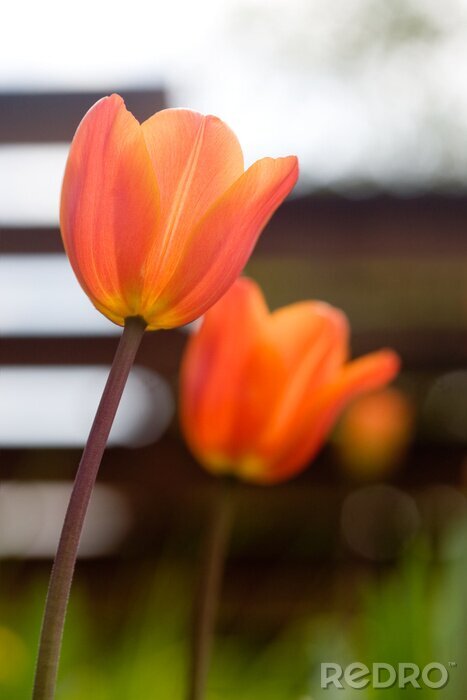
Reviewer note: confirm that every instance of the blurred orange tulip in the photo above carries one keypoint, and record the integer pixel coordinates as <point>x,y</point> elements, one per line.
<point>374,433</point>
<point>158,219</point>
<point>260,391</point>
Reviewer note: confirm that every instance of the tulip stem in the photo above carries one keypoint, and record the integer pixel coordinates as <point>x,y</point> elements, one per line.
<point>208,594</point>
<point>65,558</point>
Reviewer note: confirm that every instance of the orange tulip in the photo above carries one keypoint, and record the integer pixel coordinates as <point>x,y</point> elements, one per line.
<point>374,433</point>
<point>158,219</point>
<point>260,391</point>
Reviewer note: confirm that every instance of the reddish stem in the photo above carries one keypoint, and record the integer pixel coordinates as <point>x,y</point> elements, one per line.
<point>65,559</point>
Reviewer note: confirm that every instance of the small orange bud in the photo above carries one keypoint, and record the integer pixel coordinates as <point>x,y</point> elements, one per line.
<point>374,433</point>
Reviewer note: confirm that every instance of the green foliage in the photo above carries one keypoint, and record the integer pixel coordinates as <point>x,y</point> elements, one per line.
<point>416,612</point>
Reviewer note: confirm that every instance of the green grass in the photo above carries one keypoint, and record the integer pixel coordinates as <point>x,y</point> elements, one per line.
<point>415,612</point>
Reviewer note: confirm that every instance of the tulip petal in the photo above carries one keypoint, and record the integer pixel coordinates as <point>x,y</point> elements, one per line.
<point>209,393</point>
<point>298,326</point>
<point>313,337</point>
<point>263,381</point>
<point>109,207</point>
<point>220,245</point>
<point>358,377</point>
<point>196,158</point>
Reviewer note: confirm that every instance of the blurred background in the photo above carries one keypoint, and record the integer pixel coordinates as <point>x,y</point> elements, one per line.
<point>364,556</point>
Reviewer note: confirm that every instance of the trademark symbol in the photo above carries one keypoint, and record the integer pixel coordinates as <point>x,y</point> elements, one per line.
<point>452,664</point>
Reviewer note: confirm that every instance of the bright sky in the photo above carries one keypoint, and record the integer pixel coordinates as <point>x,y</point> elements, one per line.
<point>364,90</point>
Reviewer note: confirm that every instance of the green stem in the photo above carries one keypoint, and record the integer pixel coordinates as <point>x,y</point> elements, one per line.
<point>207,599</point>
<point>64,564</point>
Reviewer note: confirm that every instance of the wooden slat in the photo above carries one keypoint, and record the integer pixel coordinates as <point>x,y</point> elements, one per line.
<point>53,117</point>
<point>335,227</point>
<point>159,351</point>
<point>170,472</point>
<point>424,350</point>
<point>328,227</point>
<point>30,240</point>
